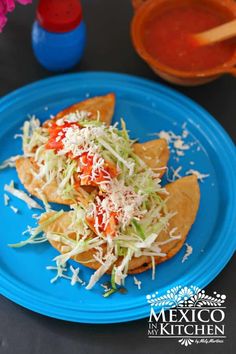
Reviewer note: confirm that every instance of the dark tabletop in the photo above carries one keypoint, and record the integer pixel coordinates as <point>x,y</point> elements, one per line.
<point>109,48</point>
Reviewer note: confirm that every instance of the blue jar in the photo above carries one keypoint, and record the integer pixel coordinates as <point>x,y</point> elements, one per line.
<point>58,34</point>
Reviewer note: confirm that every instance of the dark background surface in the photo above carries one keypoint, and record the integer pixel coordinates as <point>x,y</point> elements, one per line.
<point>108,48</point>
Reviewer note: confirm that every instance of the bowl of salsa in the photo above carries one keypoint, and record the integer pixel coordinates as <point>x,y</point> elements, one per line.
<point>161,32</point>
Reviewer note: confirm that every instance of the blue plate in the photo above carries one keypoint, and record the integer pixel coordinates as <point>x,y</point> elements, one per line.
<point>147,108</point>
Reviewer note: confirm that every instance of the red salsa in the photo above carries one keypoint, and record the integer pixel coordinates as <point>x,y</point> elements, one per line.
<point>108,228</point>
<point>56,134</point>
<point>168,38</point>
<point>88,174</point>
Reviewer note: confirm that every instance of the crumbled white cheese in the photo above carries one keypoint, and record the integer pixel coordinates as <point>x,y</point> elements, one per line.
<point>179,153</point>
<point>78,141</point>
<point>120,200</point>
<point>75,277</point>
<point>15,210</point>
<point>18,136</point>
<point>165,135</point>
<point>60,269</point>
<point>6,199</point>
<point>60,122</point>
<point>198,174</point>
<point>179,144</point>
<point>138,283</point>
<point>179,147</point>
<point>185,133</point>
<point>189,251</point>
<point>105,287</point>
<point>73,117</point>
<point>176,174</point>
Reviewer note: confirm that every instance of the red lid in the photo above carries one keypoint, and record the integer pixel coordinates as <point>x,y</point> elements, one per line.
<point>59,15</point>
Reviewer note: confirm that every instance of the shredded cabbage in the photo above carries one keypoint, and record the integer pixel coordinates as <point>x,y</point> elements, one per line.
<point>23,196</point>
<point>100,271</point>
<point>36,232</point>
<point>11,162</point>
<point>134,195</point>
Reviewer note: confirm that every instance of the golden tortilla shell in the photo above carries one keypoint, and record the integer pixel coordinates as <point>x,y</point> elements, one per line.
<point>59,226</point>
<point>183,199</point>
<point>25,166</point>
<point>155,153</point>
<point>105,105</point>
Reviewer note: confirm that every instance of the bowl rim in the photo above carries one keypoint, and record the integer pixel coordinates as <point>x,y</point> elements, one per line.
<point>144,10</point>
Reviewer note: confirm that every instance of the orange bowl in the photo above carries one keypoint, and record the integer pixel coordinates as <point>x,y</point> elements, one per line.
<point>145,8</point>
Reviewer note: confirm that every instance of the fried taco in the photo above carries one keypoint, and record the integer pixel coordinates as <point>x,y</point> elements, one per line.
<point>122,220</point>
<point>59,164</point>
<point>155,237</point>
